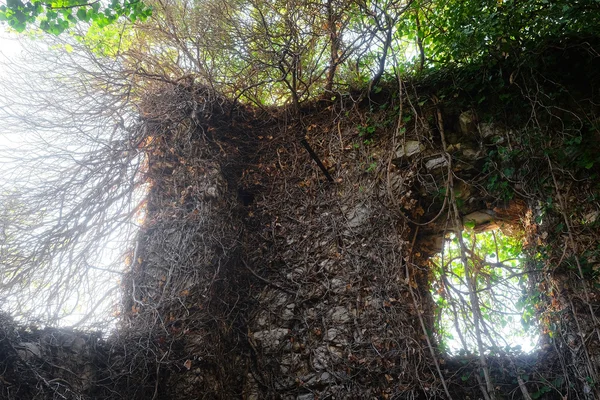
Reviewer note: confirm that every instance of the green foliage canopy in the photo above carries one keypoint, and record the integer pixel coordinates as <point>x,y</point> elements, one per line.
<point>455,31</point>
<point>57,15</point>
<point>287,52</point>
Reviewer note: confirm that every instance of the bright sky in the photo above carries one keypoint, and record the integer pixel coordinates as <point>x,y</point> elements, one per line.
<point>10,50</point>
<point>9,45</point>
<point>16,140</point>
<point>512,332</point>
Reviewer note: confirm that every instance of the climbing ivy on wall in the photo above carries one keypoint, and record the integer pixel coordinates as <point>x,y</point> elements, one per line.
<point>455,31</point>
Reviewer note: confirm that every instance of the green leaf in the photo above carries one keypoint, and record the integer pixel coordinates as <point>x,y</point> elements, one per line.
<point>82,14</point>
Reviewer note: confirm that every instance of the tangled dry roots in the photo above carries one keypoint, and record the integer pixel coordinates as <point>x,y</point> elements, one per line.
<point>248,255</point>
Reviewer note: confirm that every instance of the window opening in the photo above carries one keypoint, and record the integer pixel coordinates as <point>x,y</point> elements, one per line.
<point>505,319</point>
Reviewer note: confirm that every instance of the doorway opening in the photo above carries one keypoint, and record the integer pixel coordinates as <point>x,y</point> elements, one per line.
<point>480,291</point>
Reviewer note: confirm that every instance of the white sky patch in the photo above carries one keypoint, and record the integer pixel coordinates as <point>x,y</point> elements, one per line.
<point>10,48</point>
<point>9,43</point>
<point>43,142</point>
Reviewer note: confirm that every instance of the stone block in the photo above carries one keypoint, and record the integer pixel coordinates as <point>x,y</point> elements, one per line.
<point>409,148</point>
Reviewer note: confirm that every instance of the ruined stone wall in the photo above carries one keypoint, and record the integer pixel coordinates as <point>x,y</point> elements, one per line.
<point>337,317</point>
<point>51,363</point>
<point>255,276</point>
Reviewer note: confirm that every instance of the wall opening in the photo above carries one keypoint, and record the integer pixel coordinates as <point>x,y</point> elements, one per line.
<point>480,291</point>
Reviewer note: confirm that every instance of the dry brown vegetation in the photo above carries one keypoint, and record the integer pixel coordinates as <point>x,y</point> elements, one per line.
<point>255,276</point>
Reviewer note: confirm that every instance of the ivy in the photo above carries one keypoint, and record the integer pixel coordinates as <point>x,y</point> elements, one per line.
<point>57,16</point>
